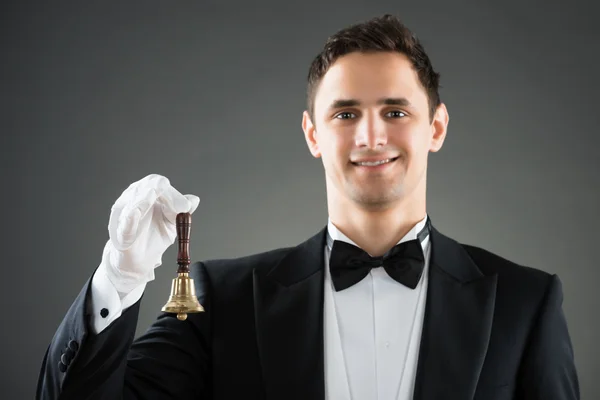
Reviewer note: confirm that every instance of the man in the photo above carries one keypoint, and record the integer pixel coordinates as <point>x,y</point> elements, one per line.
<point>376,305</point>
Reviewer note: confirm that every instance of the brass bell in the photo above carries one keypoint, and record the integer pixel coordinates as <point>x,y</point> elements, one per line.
<point>183,298</point>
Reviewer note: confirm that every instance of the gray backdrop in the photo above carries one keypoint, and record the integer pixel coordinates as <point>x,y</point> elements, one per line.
<point>210,94</point>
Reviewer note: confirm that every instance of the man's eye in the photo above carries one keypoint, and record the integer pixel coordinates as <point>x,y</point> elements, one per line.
<point>396,114</point>
<point>345,115</point>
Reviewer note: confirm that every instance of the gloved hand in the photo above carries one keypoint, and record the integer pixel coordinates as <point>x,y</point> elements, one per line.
<point>141,228</point>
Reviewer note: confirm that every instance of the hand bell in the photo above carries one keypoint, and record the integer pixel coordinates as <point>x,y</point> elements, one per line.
<point>183,298</point>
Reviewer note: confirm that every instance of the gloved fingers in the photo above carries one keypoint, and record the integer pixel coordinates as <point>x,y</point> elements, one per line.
<point>174,202</point>
<point>194,202</point>
<point>136,189</point>
<point>137,203</point>
<point>124,221</point>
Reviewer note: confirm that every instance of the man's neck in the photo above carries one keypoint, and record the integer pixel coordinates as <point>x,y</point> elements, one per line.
<point>376,232</point>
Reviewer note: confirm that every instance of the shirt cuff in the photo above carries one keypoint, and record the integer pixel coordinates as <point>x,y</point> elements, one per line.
<point>106,303</point>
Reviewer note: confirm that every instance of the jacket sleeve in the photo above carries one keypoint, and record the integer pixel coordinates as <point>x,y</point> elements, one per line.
<point>548,368</point>
<point>170,360</point>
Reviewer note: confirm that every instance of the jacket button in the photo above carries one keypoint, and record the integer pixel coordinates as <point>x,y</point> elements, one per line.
<point>62,367</point>
<point>65,359</point>
<point>67,356</point>
<point>73,345</point>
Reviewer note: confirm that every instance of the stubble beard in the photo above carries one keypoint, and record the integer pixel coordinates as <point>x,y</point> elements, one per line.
<point>377,195</point>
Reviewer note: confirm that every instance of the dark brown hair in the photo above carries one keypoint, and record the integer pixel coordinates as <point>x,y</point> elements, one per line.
<point>385,33</point>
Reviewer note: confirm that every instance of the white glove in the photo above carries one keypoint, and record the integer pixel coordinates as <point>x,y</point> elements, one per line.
<point>141,228</point>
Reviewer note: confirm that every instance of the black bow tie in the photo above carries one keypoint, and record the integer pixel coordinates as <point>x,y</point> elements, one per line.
<point>404,262</point>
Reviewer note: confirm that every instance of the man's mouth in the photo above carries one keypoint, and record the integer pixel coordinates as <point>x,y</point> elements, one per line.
<point>374,163</point>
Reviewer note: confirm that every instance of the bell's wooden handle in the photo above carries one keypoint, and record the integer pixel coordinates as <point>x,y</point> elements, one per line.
<point>184,226</point>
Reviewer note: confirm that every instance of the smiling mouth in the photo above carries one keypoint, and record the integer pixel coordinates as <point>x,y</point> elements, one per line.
<point>374,163</point>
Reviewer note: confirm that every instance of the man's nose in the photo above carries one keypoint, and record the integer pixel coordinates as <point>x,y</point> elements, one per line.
<point>371,132</point>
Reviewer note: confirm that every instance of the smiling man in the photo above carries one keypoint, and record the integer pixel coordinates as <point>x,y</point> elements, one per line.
<point>376,305</point>
<point>373,123</point>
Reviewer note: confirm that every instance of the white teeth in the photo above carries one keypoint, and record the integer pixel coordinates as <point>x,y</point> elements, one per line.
<point>373,163</point>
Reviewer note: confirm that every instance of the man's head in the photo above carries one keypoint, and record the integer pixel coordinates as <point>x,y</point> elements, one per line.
<point>373,95</point>
<point>381,34</point>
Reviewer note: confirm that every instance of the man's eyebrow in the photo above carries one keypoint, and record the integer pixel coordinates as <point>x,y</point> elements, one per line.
<point>395,101</point>
<point>390,101</point>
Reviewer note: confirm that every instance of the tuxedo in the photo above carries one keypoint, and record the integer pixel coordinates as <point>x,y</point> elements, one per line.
<point>492,330</point>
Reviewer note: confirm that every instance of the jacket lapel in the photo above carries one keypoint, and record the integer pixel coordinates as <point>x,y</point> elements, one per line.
<point>457,323</point>
<point>288,302</point>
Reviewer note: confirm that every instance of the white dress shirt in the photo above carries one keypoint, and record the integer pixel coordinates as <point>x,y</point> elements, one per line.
<point>105,303</point>
<point>373,331</point>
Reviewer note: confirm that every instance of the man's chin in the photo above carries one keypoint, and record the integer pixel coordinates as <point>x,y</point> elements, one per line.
<point>376,200</point>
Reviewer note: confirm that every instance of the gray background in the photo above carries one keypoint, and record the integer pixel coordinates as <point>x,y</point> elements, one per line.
<point>210,94</point>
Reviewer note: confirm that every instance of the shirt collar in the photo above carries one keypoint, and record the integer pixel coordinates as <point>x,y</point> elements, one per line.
<point>336,234</point>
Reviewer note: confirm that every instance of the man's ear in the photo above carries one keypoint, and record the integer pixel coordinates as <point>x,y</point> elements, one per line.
<point>310,135</point>
<point>439,128</point>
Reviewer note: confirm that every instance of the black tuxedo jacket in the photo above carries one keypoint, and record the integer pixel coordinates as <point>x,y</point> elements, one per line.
<point>493,330</point>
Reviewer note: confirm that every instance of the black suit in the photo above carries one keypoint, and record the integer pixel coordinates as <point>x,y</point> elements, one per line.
<point>493,330</point>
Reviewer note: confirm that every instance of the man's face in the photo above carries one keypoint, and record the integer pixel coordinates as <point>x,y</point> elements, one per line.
<point>372,129</point>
